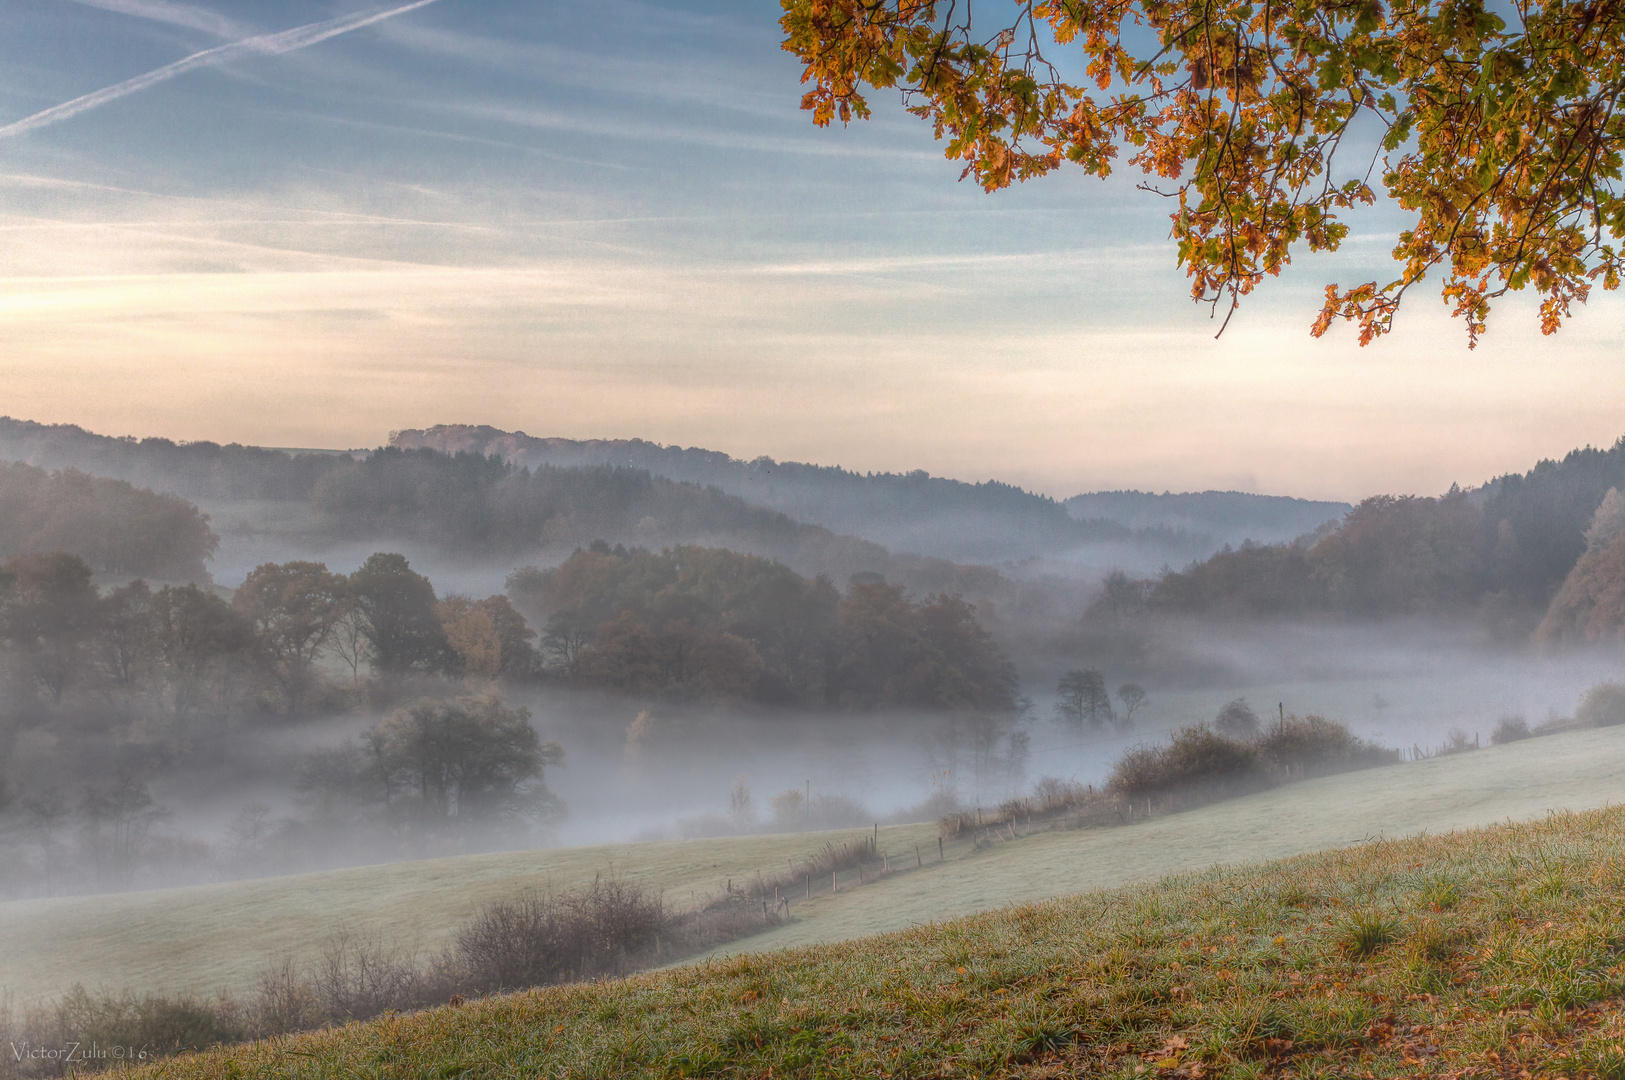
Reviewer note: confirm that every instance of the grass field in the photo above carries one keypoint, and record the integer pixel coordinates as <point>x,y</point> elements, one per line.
<point>220,936</point>
<point>1521,781</point>
<point>1495,953</point>
<point>213,937</point>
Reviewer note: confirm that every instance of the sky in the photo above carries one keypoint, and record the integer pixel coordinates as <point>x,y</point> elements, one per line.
<point>310,224</point>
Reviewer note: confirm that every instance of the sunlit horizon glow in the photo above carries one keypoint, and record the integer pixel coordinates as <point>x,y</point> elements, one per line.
<point>617,224</point>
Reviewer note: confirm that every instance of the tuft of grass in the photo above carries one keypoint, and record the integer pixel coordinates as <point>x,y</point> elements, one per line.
<point>1366,933</point>
<point>1431,943</point>
<point>1208,974</point>
<point>1442,895</point>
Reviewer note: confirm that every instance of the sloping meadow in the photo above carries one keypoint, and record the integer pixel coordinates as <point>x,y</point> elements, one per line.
<point>1488,953</point>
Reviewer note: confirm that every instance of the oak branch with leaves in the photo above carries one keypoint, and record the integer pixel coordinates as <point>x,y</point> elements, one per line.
<point>1499,129</point>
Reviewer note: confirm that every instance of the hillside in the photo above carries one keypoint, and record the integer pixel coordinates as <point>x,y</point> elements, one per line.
<point>221,936</point>
<point>213,937</point>
<point>196,470</point>
<point>455,511</point>
<point>1480,954</point>
<point>1498,553</point>
<point>1230,516</point>
<point>933,515</point>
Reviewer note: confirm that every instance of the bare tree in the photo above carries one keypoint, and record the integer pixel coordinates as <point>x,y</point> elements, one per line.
<point>1132,695</point>
<point>45,817</point>
<point>741,807</point>
<point>350,641</point>
<point>117,821</point>
<point>566,634</point>
<point>1083,700</point>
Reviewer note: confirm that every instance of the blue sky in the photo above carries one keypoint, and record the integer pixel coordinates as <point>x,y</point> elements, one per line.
<point>611,219</point>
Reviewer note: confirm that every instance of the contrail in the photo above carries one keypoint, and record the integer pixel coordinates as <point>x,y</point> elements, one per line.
<point>285,41</point>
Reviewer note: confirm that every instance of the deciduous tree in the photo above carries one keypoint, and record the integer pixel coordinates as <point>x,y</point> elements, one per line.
<point>403,631</point>
<point>469,760</point>
<point>1496,130</point>
<point>49,613</point>
<point>202,645</point>
<point>1132,695</point>
<point>1082,699</point>
<point>293,608</point>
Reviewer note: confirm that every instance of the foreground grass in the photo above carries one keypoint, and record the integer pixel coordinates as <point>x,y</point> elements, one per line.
<point>1498,952</point>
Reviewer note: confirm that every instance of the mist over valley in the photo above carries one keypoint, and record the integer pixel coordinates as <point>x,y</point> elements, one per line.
<point>434,678</point>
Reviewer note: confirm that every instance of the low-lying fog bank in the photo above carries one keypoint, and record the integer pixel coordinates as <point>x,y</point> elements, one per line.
<point>271,796</point>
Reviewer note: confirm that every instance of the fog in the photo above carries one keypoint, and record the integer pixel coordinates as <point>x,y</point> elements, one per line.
<point>629,658</point>
<point>638,770</point>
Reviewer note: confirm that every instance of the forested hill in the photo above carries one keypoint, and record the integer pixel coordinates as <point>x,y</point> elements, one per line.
<point>481,507</point>
<point>914,511</point>
<point>462,505</point>
<point>1231,516</point>
<point>907,511</point>
<point>195,470</point>
<point>1504,549</point>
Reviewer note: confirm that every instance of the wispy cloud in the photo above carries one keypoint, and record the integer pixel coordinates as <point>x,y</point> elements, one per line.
<point>300,37</point>
<point>167,11</point>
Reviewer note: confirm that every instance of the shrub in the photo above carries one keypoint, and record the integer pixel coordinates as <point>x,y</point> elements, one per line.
<point>542,939</point>
<point>1051,794</point>
<point>1196,759</point>
<point>1313,744</point>
<point>1510,729</point>
<point>1603,705</point>
<point>360,976</point>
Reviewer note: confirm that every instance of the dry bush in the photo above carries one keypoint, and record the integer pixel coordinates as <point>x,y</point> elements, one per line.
<point>538,939</point>
<point>90,1032</point>
<point>1602,706</point>
<point>1510,729</point>
<point>1459,742</point>
<point>1196,762</point>
<point>1315,746</point>
<point>1054,795</point>
<point>360,976</point>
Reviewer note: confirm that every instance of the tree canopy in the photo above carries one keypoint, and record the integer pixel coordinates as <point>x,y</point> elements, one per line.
<point>711,625</point>
<point>1497,131</point>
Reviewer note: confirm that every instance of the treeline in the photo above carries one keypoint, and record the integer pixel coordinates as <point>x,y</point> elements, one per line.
<point>183,649</point>
<point>198,470</point>
<point>481,506</point>
<point>117,528</point>
<point>477,506</point>
<point>1507,547</point>
<point>698,624</point>
<point>914,511</point>
<point>706,624</point>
